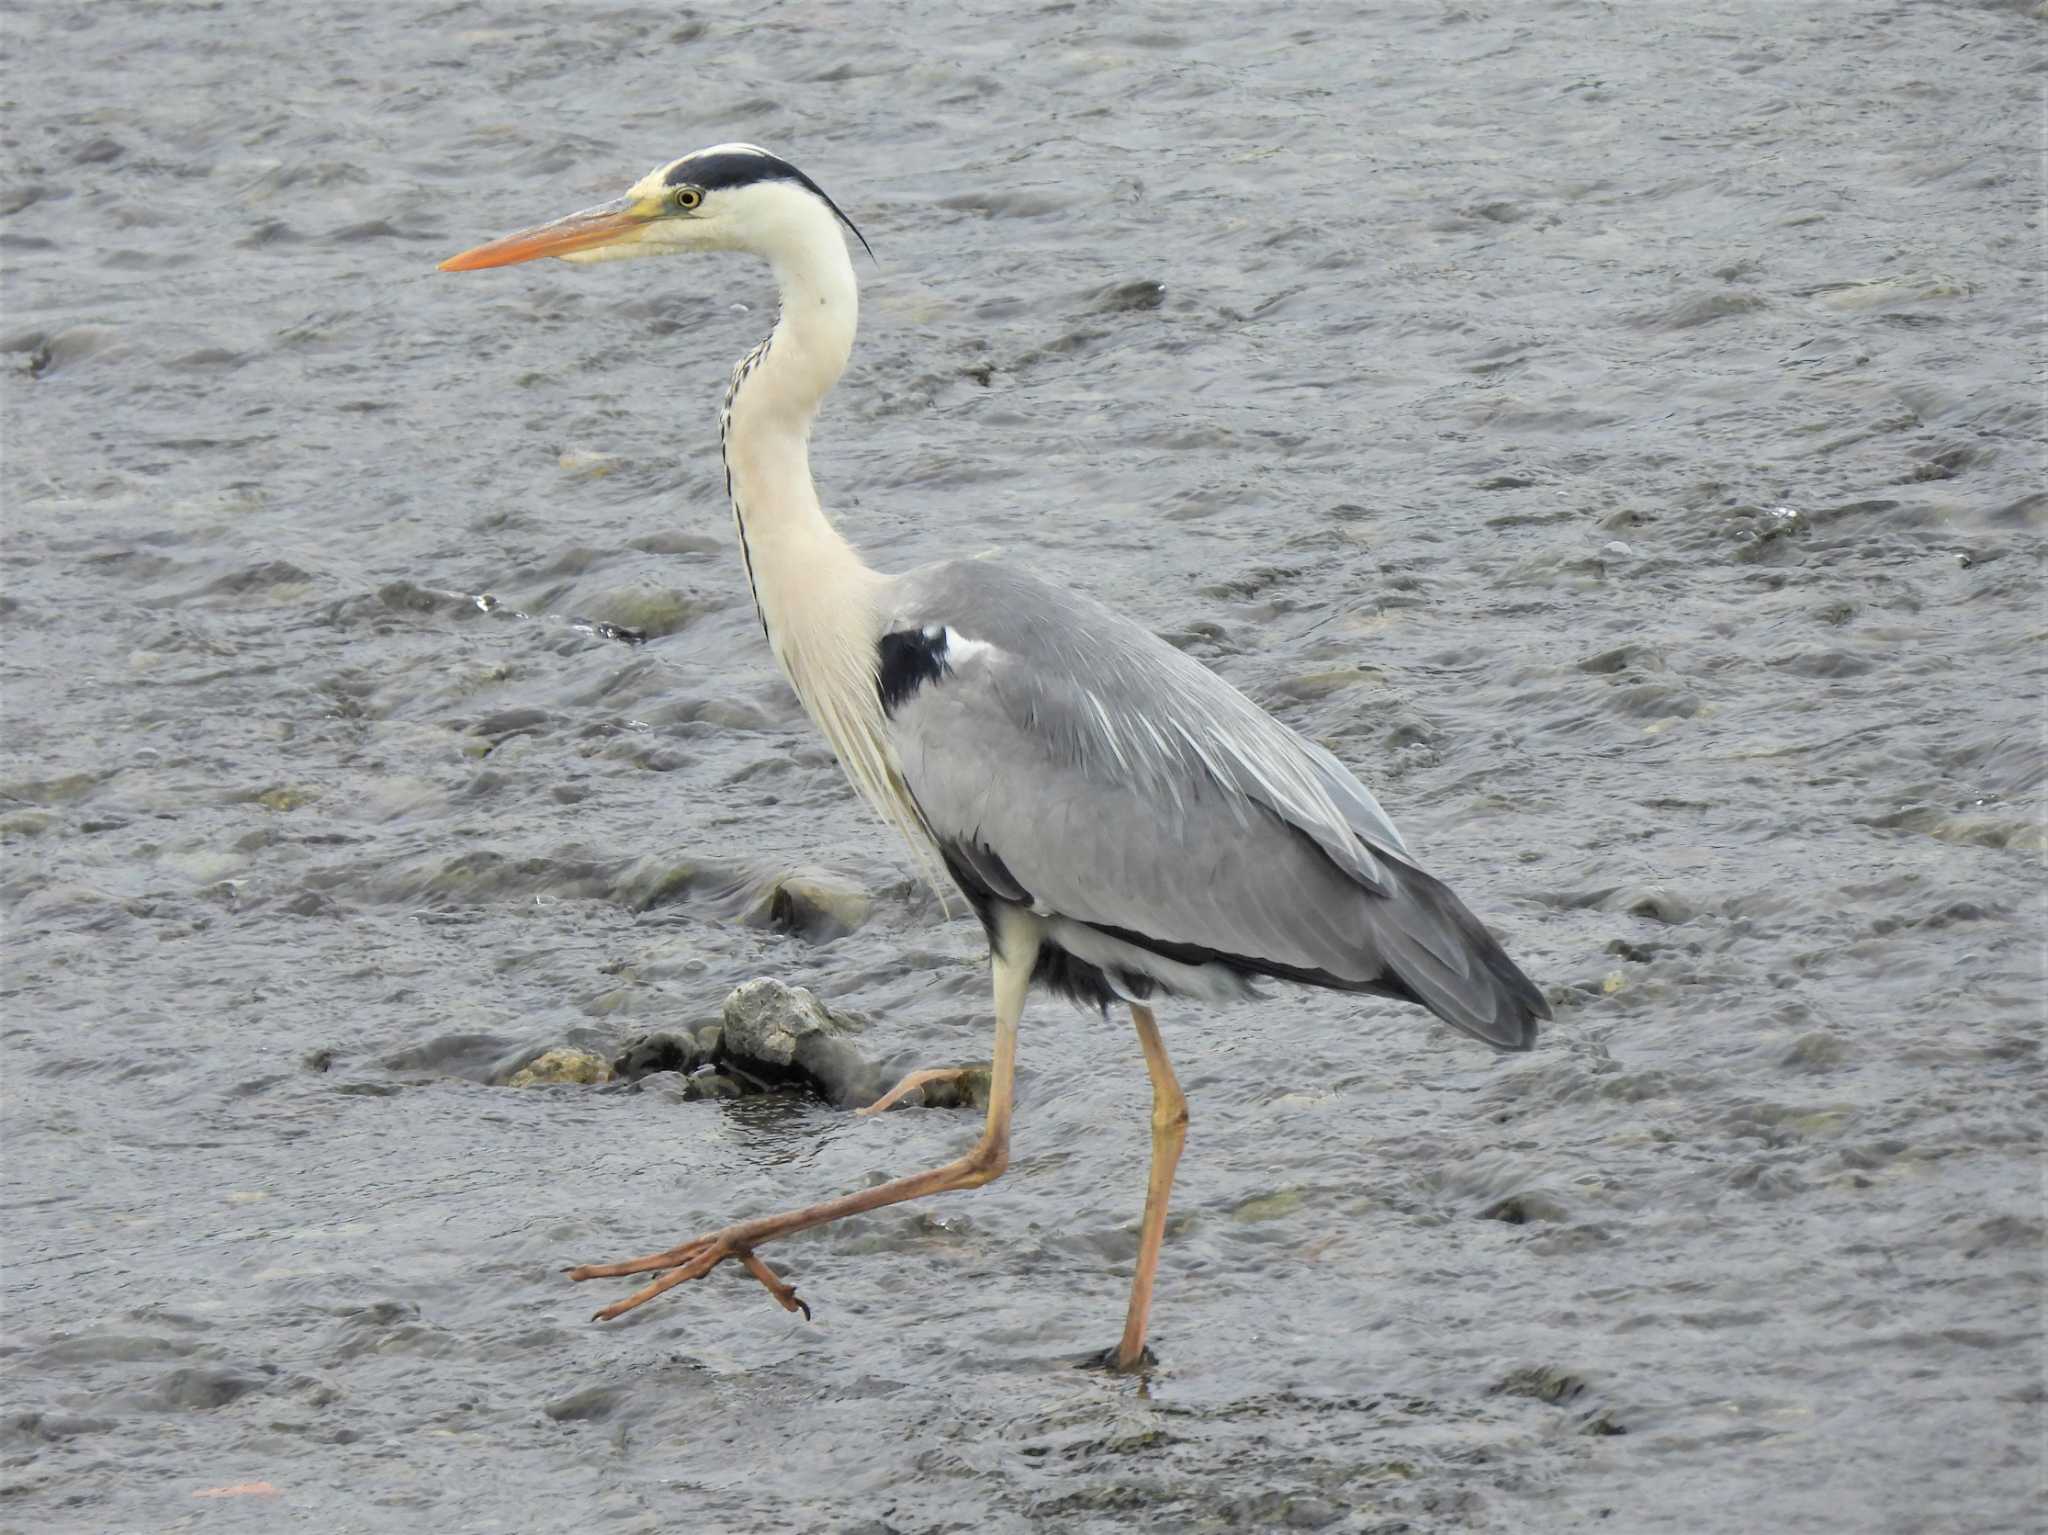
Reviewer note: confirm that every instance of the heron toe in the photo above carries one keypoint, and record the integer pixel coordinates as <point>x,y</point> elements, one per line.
<point>966,1079</point>
<point>692,1260</point>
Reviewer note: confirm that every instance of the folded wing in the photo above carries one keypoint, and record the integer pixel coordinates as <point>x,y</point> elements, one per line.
<point>1070,761</point>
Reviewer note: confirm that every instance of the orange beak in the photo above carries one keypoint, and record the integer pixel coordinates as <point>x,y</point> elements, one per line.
<point>593,227</point>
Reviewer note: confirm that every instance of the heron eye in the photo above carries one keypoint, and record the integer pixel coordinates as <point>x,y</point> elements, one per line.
<point>686,198</point>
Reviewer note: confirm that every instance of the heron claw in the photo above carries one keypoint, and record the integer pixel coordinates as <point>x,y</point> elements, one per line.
<point>691,1260</point>
<point>785,1294</point>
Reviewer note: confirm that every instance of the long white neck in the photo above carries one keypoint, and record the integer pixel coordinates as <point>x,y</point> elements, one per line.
<point>796,560</point>
<point>817,598</point>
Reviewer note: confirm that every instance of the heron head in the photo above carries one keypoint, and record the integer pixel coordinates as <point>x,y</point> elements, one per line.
<point>729,197</point>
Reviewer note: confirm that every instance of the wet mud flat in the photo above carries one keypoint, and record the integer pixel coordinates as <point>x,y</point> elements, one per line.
<point>1617,433</point>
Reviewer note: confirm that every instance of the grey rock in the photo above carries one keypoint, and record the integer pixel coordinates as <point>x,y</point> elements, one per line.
<point>764,1019</point>
<point>785,1033</point>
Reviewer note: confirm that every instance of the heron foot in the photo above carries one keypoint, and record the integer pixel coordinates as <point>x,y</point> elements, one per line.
<point>970,1078</point>
<point>691,1260</point>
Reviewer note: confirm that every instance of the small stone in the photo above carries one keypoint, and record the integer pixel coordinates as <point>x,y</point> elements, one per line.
<point>649,1053</point>
<point>619,999</point>
<point>1520,1209</point>
<point>1118,298</point>
<point>1267,1207</point>
<point>633,613</point>
<point>1815,1052</point>
<point>1545,1384</point>
<point>1310,1513</point>
<point>513,722</point>
<point>1657,902</point>
<point>815,906</point>
<point>711,1085</point>
<point>1635,953</point>
<point>1314,685</point>
<point>593,1404</point>
<point>589,465</point>
<point>564,1064</point>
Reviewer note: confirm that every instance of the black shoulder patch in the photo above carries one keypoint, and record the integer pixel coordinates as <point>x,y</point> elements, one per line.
<point>910,659</point>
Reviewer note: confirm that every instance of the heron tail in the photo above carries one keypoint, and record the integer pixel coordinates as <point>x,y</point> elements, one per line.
<point>1439,955</point>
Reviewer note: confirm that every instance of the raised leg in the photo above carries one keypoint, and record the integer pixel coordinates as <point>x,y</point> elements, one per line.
<point>1169,1130</point>
<point>1012,962</point>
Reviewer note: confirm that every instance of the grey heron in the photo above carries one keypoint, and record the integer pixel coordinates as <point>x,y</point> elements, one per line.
<point>1125,823</point>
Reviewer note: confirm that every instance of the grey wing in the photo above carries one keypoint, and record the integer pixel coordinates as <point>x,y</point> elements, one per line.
<point>1070,761</point>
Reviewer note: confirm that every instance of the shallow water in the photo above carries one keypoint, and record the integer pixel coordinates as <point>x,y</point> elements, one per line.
<point>1615,430</point>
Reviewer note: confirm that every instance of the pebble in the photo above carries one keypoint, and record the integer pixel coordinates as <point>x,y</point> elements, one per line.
<point>646,1054</point>
<point>565,1064</point>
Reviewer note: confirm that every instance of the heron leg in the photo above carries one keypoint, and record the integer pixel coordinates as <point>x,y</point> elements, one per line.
<point>1169,1130</point>
<point>1014,955</point>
